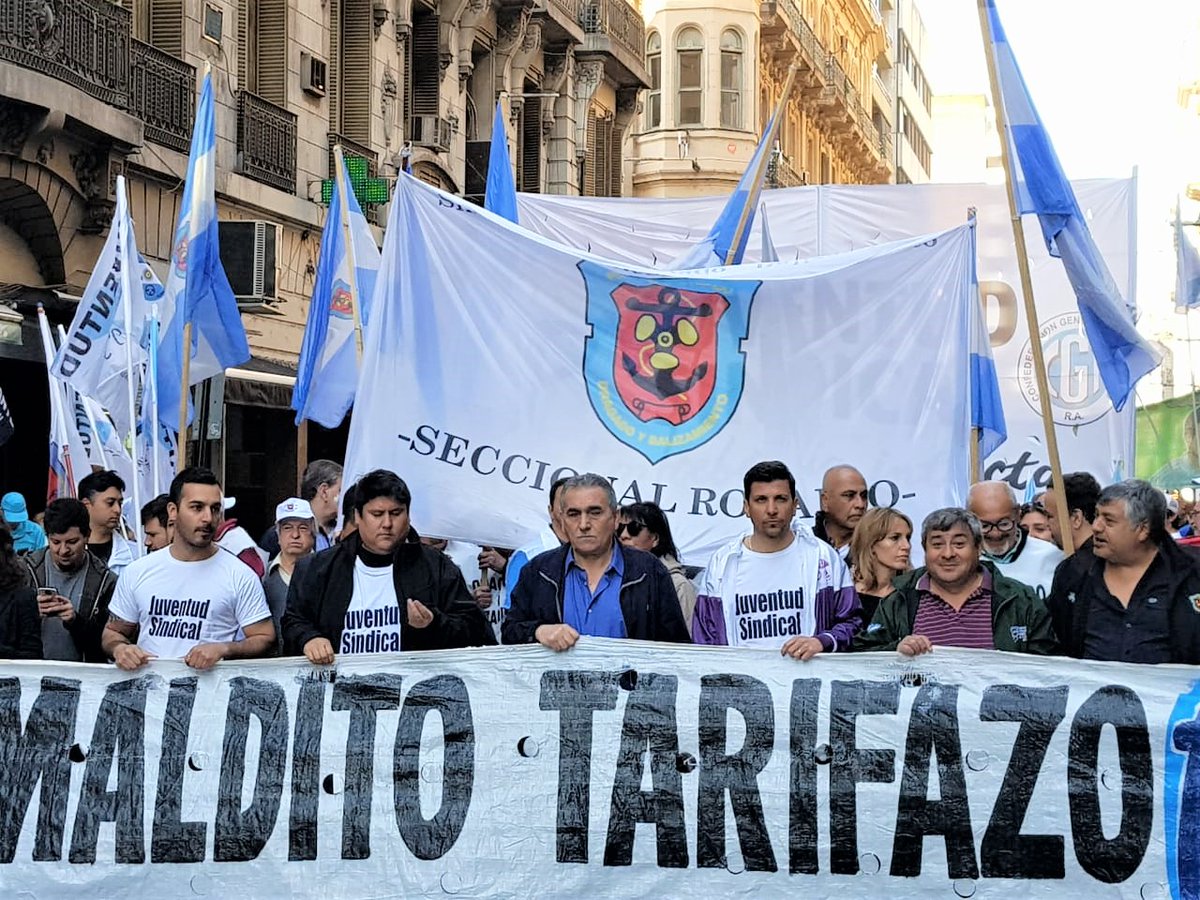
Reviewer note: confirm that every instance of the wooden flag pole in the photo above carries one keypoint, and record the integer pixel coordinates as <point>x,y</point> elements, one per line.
<point>768,140</point>
<point>181,451</point>
<point>301,453</point>
<point>1031,319</point>
<point>976,436</point>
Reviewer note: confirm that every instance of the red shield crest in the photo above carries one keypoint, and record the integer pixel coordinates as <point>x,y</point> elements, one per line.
<point>665,363</point>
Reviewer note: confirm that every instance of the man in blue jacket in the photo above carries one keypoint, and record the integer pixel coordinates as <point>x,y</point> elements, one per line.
<point>592,585</point>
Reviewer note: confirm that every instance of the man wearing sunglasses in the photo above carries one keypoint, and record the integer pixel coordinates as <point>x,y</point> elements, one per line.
<point>1005,543</point>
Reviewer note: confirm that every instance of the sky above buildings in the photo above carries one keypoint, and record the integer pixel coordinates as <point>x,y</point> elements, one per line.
<point>1105,78</point>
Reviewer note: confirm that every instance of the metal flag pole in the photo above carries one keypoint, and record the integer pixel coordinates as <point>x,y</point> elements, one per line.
<point>767,140</point>
<point>1031,319</point>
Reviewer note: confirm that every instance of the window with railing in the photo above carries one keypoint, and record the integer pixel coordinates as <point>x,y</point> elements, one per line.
<point>654,68</point>
<point>689,78</point>
<point>731,79</point>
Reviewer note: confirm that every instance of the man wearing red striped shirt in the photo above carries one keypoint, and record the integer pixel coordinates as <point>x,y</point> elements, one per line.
<point>958,599</point>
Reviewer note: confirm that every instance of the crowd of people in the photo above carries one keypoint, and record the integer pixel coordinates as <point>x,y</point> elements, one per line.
<point>355,577</point>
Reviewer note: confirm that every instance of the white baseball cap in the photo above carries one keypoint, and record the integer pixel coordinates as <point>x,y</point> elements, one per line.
<point>293,508</point>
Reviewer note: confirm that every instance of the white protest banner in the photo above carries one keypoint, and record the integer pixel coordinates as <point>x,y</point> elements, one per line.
<point>617,769</point>
<point>811,221</point>
<point>487,377</point>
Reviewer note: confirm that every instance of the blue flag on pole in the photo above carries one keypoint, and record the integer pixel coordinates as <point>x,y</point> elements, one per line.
<point>500,195</point>
<point>1122,355</point>
<point>197,289</point>
<point>723,245</point>
<point>1187,267</point>
<point>987,409</point>
<point>327,374</point>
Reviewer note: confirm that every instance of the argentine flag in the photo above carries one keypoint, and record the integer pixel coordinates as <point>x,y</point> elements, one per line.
<point>1041,187</point>
<point>500,194</point>
<point>327,374</point>
<point>1187,268</point>
<point>197,290</point>
<point>987,409</point>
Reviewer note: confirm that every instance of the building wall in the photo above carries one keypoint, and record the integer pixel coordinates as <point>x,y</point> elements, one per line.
<point>828,131</point>
<point>968,144</point>
<point>913,121</point>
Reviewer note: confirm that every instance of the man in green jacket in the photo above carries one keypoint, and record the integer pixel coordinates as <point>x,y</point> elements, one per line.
<point>958,600</point>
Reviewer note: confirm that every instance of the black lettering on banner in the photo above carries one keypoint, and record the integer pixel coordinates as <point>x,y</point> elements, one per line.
<point>876,497</point>
<point>658,497</point>
<point>733,502</point>
<point>306,771</point>
<point>649,725</point>
<point>802,815</point>
<point>537,479</point>
<point>475,458</point>
<point>446,695</point>
<point>848,700</point>
<point>577,696</point>
<point>119,734</point>
<point>506,469</point>
<point>1111,861</point>
<point>39,753</point>
<point>735,773</point>
<point>173,840</point>
<point>1004,851</point>
<point>933,730</point>
<point>453,447</point>
<point>240,834</point>
<point>703,497</point>
<point>362,696</point>
<point>427,437</point>
<point>562,472</point>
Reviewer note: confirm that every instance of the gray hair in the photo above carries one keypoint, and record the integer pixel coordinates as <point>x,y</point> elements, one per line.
<point>981,486</point>
<point>945,519</point>
<point>588,480</point>
<point>1144,505</point>
<point>317,473</point>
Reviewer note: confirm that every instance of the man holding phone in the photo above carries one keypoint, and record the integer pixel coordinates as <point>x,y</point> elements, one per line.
<point>73,585</point>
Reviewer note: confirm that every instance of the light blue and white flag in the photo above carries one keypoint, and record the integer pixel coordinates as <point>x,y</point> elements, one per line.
<point>197,290</point>
<point>500,195</point>
<point>1187,267</point>
<point>329,355</point>
<point>987,409</point>
<point>1122,355</point>
<point>725,243</point>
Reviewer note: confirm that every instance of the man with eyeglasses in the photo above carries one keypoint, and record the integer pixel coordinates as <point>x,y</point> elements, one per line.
<point>844,499</point>
<point>1006,544</point>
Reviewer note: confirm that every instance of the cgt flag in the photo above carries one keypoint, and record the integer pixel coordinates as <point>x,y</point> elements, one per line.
<point>672,385</point>
<point>328,367</point>
<point>1041,187</point>
<point>197,290</point>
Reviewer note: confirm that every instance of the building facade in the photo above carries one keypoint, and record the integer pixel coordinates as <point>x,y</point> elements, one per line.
<point>92,88</point>
<point>717,73</point>
<point>912,121</point>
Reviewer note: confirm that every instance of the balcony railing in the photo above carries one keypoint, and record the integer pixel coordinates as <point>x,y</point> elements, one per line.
<point>266,142</point>
<point>618,20</point>
<point>162,93</point>
<point>84,43</point>
<point>353,148</point>
<point>885,91</point>
<point>571,10</point>
<point>780,174</point>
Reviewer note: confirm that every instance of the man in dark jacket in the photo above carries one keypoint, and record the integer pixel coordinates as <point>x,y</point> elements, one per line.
<point>592,585</point>
<point>959,600</point>
<point>1082,491</point>
<point>1139,600</point>
<point>380,590</point>
<point>73,585</point>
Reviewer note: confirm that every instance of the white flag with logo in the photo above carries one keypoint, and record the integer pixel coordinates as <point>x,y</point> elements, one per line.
<point>671,384</point>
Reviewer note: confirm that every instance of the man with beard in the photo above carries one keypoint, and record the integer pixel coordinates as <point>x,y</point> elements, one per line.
<point>1006,544</point>
<point>779,586</point>
<point>191,600</point>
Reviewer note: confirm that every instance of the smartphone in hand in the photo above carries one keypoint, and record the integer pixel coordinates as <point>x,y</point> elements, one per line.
<point>45,596</point>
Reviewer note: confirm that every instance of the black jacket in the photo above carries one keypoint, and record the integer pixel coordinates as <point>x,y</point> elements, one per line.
<point>649,602</point>
<point>321,586</point>
<point>20,624</point>
<point>1175,574</point>
<point>1067,575</point>
<point>98,585</point>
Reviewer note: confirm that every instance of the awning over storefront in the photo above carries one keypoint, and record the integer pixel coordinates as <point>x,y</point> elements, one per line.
<point>261,382</point>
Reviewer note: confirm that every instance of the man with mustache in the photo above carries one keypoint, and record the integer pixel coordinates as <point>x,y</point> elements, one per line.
<point>190,600</point>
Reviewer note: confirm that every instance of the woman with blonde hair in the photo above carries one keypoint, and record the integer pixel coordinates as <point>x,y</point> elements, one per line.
<point>879,551</point>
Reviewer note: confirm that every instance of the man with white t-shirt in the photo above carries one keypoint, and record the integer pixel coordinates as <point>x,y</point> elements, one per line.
<point>380,590</point>
<point>191,600</point>
<point>1006,543</point>
<point>779,587</point>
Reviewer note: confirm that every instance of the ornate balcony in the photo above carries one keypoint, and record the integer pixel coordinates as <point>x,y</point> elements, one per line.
<point>353,148</point>
<point>807,50</point>
<point>84,43</point>
<point>619,22</point>
<point>266,142</point>
<point>780,174</point>
<point>162,93</point>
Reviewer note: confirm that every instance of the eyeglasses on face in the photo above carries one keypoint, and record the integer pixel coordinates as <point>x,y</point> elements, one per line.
<point>1004,526</point>
<point>633,529</point>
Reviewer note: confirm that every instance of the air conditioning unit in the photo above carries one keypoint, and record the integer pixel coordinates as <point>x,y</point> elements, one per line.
<point>249,251</point>
<point>312,74</point>
<point>430,131</point>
